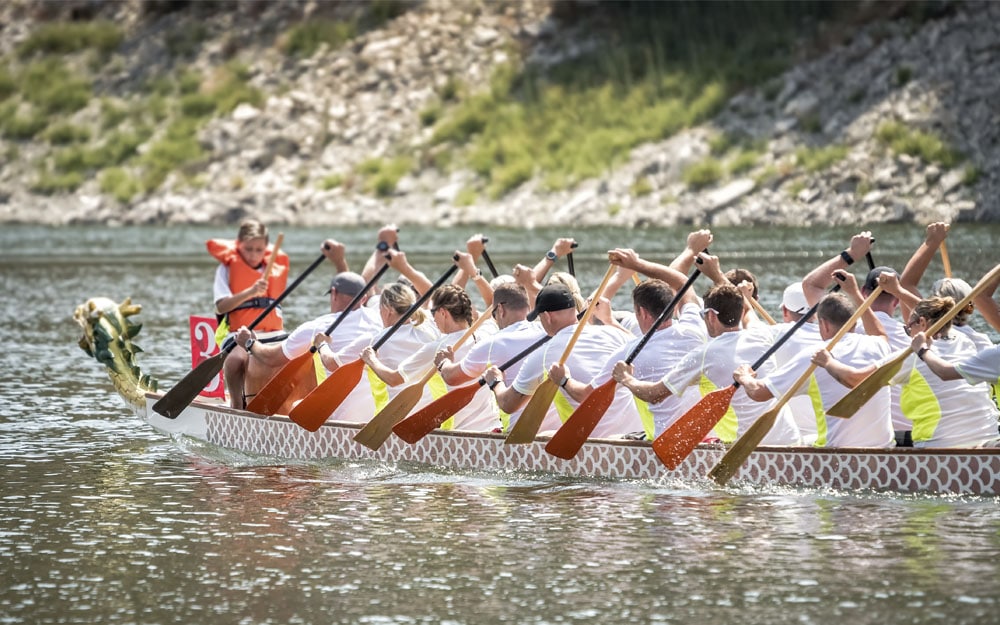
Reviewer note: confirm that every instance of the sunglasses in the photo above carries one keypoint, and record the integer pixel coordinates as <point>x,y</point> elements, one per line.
<point>705,311</point>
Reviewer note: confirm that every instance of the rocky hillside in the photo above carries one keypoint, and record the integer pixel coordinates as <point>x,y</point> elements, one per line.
<point>337,113</point>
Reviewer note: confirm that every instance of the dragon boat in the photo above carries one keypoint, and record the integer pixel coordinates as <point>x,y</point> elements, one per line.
<point>108,334</point>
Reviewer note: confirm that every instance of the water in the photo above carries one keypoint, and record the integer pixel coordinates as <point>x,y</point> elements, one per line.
<point>103,520</point>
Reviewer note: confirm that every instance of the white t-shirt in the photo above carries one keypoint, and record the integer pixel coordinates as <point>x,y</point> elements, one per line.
<point>358,407</point>
<point>946,414</point>
<point>898,341</point>
<point>980,340</point>
<point>479,415</point>
<point>590,353</point>
<point>803,407</point>
<point>711,368</point>
<point>982,367</point>
<point>404,341</point>
<point>665,349</point>
<point>871,426</point>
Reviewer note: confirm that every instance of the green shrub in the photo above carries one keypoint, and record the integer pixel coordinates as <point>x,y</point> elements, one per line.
<point>702,174</point>
<point>69,37</point>
<point>820,159</point>
<point>112,115</point>
<point>8,86</point>
<point>52,87</point>
<point>381,176</point>
<point>197,105</point>
<point>924,145</point>
<point>49,183</point>
<point>331,182</point>
<point>641,187</point>
<point>467,196</point>
<point>430,115</point>
<point>304,39</point>
<point>743,162</point>
<point>119,184</point>
<point>26,126</point>
<point>231,88</point>
<point>65,133</point>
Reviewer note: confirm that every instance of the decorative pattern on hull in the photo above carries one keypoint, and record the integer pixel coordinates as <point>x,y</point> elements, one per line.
<point>959,472</point>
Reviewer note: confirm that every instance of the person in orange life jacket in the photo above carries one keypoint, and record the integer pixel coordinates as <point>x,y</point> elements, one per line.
<point>243,381</point>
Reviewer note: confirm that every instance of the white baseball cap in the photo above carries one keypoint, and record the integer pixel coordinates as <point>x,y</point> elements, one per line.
<point>794,299</point>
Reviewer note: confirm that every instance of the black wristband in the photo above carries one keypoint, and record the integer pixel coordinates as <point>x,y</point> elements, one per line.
<point>847,257</point>
<point>249,345</point>
<point>923,350</point>
<point>492,385</point>
<point>565,381</point>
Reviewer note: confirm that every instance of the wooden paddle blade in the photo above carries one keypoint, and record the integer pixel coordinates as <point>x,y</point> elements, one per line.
<point>571,436</point>
<point>680,439</point>
<point>868,388</point>
<point>531,418</point>
<point>184,392</point>
<point>287,382</point>
<point>744,446</point>
<point>376,431</point>
<point>316,408</point>
<point>427,419</point>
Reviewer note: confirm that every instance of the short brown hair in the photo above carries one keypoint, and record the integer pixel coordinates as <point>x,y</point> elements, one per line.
<point>727,300</point>
<point>251,229</point>
<point>511,295</point>
<point>835,308</point>
<point>739,275</point>
<point>653,296</point>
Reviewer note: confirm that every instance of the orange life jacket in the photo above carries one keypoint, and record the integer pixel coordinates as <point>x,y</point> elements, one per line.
<point>242,276</point>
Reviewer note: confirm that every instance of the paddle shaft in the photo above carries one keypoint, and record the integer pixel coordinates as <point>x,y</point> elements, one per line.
<point>184,392</point>
<point>569,261</point>
<point>415,307</point>
<point>274,254</point>
<point>354,302</point>
<point>664,314</point>
<point>945,260</point>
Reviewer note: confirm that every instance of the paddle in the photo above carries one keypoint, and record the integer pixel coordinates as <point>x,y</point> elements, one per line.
<point>317,406</point>
<point>860,394</point>
<point>571,436</point>
<point>684,434</point>
<point>378,429</point>
<point>531,417</point>
<point>569,261</point>
<point>184,392</point>
<point>945,260</point>
<point>292,379</point>
<point>427,419</point>
<point>760,310</point>
<point>744,446</point>
<point>486,257</point>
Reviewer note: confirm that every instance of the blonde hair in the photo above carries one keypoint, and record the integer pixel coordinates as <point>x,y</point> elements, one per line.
<point>399,297</point>
<point>957,289</point>
<point>251,229</point>
<point>933,308</point>
<point>561,277</point>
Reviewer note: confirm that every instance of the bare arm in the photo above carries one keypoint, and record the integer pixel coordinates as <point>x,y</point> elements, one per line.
<point>384,373</point>
<point>988,306</point>
<point>509,400</point>
<point>939,366</point>
<point>399,263</point>
<point>849,284</point>
<point>844,374</point>
<point>815,283</point>
<point>908,299</point>
<point>652,392</point>
<point>921,259</point>
<point>576,389</point>
<point>697,242</point>
<point>389,235</point>
<point>755,389</point>
<point>561,247</point>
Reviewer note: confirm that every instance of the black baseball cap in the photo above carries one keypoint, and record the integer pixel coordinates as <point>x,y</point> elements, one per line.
<point>551,298</point>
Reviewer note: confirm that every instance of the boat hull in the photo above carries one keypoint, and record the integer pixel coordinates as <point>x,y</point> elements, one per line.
<point>903,470</point>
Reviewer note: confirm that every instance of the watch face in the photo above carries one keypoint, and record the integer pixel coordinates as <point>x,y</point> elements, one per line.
<point>550,255</point>
<point>382,246</point>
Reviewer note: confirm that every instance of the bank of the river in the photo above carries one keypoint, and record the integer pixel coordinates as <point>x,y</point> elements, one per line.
<point>894,120</point>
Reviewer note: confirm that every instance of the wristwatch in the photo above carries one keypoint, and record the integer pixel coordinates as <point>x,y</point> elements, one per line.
<point>382,246</point>
<point>551,255</point>
<point>249,344</point>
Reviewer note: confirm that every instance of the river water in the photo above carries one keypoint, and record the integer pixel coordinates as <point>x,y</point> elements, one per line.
<point>103,520</point>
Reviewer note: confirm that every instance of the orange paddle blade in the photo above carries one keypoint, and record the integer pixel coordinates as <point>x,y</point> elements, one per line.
<point>531,418</point>
<point>316,408</point>
<point>288,381</point>
<point>680,439</point>
<point>376,431</point>
<point>569,438</point>
<point>424,421</point>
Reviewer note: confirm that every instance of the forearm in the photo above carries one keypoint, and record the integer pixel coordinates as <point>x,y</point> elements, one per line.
<point>652,392</point>
<point>989,309</point>
<point>577,391</point>
<point>483,286</point>
<point>755,389</point>
<point>452,374</point>
<point>941,367</point>
<point>509,400</point>
<point>846,375</point>
<point>390,376</point>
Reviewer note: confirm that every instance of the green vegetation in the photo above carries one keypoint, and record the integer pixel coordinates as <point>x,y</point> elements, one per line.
<point>59,38</point>
<point>50,183</point>
<point>703,173</point>
<point>331,182</point>
<point>381,176</point>
<point>64,133</point>
<point>664,67</point>
<point>641,186</point>
<point>304,39</point>
<point>466,197</point>
<point>820,159</point>
<point>924,145</point>
<point>744,161</point>
<point>119,184</point>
